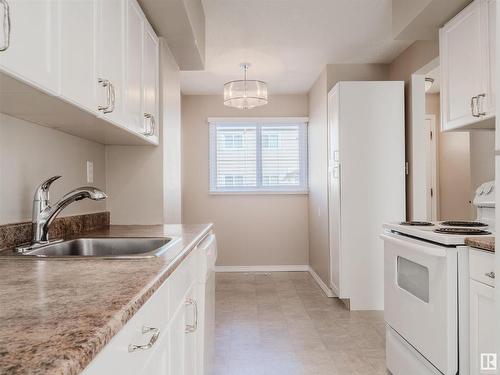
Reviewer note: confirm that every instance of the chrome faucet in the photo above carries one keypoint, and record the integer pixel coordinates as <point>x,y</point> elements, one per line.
<point>44,214</point>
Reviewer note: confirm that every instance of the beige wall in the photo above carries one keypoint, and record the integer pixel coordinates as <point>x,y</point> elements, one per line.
<point>171,136</point>
<point>482,157</point>
<point>144,181</point>
<point>319,248</point>
<point>30,153</point>
<point>454,172</point>
<point>251,229</point>
<point>356,72</point>
<point>408,62</point>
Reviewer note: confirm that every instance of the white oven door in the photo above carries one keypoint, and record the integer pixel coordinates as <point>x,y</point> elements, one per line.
<point>420,284</point>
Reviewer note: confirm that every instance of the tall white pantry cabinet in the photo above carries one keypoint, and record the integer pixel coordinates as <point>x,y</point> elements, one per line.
<point>366,184</point>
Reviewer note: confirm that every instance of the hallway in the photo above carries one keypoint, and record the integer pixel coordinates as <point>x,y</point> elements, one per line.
<point>281,323</point>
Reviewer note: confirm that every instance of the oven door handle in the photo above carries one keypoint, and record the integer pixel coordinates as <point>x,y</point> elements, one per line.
<point>411,244</point>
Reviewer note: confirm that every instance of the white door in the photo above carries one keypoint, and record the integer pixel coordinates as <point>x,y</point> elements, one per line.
<point>150,89</point>
<point>482,321</point>
<point>461,67</point>
<point>334,201</point>
<point>133,81</point>
<point>78,37</point>
<point>33,52</point>
<point>431,156</point>
<point>420,286</point>
<point>111,57</point>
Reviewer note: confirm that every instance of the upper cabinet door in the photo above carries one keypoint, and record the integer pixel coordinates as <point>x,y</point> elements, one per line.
<point>78,20</point>
<point>32,54</point>
<point>133,61</point>
<point>467,58</point>
<point>110,76</point>
<point>461,65</point>
<point>488,22</point>
<point>150,83</point>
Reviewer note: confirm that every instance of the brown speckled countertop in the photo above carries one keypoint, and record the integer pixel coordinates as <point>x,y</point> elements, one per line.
<point>56,315</point>
<point>483,243</point>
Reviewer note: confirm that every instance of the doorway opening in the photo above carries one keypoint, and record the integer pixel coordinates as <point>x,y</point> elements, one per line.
<point>439,162</point>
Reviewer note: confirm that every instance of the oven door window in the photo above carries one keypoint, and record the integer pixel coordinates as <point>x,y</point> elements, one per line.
<point>414,278</point>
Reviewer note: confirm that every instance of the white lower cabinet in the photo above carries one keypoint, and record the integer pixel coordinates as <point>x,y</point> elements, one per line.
<point>482,311</point>
<point>164,336</point>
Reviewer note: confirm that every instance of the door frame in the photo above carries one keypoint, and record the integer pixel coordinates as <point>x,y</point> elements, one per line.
<point>417,142</point>
<point>432,170</point>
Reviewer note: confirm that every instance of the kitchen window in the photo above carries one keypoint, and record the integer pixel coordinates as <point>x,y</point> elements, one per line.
<point>258,155</point>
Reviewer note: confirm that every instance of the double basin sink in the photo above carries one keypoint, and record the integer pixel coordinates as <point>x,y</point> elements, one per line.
<point>107,248</point>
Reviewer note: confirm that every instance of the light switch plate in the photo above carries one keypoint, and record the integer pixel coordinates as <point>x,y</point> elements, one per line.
<point>90,172</point>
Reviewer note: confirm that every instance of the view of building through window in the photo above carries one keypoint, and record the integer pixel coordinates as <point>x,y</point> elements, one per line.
<point>258,156</point>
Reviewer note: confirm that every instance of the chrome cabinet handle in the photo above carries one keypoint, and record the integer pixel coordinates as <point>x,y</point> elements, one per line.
<point>112,97</point>
<point>480,100</point>
<point>473,106</point>
<point>491,274</point>
<point>152,340</point>
<point>110,93</point>
<point>152,124</point>
<point>6,25</point>
<point>190,328</point>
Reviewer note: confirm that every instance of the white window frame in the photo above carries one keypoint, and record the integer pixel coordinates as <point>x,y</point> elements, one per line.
<point>258,122</point>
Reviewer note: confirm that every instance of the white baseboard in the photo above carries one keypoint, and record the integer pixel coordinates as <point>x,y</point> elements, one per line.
<point>322,285</point>
<point>285,268</point>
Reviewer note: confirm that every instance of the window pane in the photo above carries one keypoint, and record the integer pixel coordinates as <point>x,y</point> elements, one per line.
<point>281,157</point>
<point>254,156</point>
<point>237,158</point>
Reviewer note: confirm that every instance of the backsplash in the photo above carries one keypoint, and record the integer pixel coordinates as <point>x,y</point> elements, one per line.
<point>20,233</point>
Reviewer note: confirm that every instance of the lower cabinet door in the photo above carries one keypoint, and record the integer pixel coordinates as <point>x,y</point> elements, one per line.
<point>177,341</point>
<point>482,319</point>
<point>158,363</point>
<point>192,331</point>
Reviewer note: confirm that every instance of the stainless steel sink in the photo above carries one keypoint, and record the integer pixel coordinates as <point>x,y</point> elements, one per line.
<point>112,248</point>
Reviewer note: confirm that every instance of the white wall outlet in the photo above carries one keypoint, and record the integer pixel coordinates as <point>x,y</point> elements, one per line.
<point>90,172</point>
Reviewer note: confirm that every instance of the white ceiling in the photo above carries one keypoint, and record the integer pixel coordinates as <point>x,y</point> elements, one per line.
<point>288,42</point>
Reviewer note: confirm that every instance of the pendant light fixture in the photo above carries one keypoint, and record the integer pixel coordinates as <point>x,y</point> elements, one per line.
<point>245,94</point>
<point>428,83</point>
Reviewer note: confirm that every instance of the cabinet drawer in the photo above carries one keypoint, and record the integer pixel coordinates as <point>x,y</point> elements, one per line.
<point>115,357</point>
<point>180,281</point>
<point>482,266</point>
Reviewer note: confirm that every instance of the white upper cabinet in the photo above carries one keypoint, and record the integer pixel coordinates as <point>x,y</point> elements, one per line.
<point>29,49</point>
<point>78,20</point>
<point>466,57</point>
<point>150,81</point>
<point>110,75</point>
<point>133,71</point>
<point>95,61</point>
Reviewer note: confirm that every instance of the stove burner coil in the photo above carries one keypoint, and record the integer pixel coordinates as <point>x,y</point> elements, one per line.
<point>463,224</point>
<point>466,231</point>
<point>417,223</point>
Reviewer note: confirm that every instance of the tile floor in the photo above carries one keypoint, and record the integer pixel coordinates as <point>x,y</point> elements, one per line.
<point>281,323</point>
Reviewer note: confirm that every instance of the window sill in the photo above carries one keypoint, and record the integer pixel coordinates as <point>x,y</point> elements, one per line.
<point>259,192</point>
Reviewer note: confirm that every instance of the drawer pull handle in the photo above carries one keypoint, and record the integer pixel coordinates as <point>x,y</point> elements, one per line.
<point>474,106</point>
<point>491,274</point>
<point>152,340</point>
<point>480,99</point>
<point>190,328</point>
